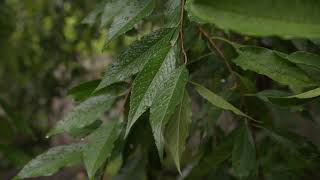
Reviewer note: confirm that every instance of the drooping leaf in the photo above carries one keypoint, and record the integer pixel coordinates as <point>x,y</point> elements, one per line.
<point>244,153</point>
<point>177,130</point>
<point>260,18</point>
<point>51,161</point>
<point>165,102</point>
<point>149,81</point>
<point>84,114</point>
<point>305,58</point>
<point>218,101</point>
<point>100,145</point>
<point>132,60</point>
<point>269,63</point>
<point>120,16</point>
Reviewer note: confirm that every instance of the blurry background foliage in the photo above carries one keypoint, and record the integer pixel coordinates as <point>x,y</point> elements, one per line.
<point>46,50</point>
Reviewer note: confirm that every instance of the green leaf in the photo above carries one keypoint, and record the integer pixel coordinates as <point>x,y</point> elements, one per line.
<point>132,60</point>
<point>51,161</point>
<point>218,101</point>
<point>306,95</point>
<point>149,81</point>
<point>120,16</point>
<point>275,94</point>
<point>178,130</point>
<point>170,95</point>
<point>100,145</point>
<point>305,58</point>
<point>269,63</point>
<point>244,153</point>
<point>83,90</point>
<point>260,18</point>
<point>84,114</point>
<point>172,13</point>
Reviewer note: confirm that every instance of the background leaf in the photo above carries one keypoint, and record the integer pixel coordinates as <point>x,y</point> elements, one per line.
<point>250,16</point>
<point>244,153</point>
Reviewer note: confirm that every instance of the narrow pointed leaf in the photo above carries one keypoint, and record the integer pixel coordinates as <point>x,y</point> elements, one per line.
<point>100,145</point>
<point>51,161</point>
<point>244,153</point>
<point>132,60</point>
<point>218,101</point>
<point>306,95</point>
<point>305,58</point>
<point>149,81</point>
<point>169,96</point>
<point>84,114</point>
<point>269,63</point>
<point>177,130</point>
<point>250,16</point>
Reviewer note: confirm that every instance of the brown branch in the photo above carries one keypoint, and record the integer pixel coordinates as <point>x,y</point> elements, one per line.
<point>181,34</point>
<point>226,61</point>
<point>217,49</point>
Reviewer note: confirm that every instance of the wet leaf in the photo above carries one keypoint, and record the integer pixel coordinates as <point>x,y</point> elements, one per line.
<point>165,103</point>
<point>132,60</point>
<point>149,81</point>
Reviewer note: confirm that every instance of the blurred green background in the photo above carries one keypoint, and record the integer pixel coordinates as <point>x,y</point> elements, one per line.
<point>44,50</point>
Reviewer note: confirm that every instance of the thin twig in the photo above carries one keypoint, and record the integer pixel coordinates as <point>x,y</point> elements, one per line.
<point>227,63</point>
<point>217,49</point>
<point>200,58</point>
<point>181,34</point>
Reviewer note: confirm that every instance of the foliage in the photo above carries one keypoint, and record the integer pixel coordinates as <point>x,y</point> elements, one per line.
<point>259,62</point>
